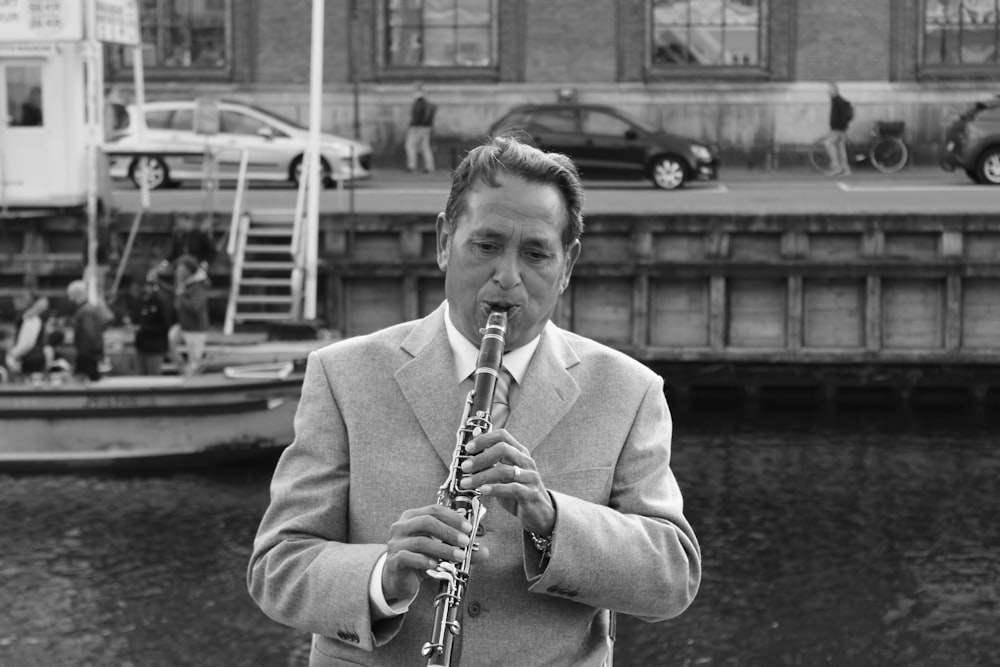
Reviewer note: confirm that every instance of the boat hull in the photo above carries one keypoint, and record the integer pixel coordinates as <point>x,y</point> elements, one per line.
<point>135,421</point>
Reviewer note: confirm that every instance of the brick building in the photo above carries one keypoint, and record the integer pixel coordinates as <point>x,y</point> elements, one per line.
<point>749,75</point>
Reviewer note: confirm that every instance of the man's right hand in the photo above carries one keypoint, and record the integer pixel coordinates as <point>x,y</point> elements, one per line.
<point>417,541</point>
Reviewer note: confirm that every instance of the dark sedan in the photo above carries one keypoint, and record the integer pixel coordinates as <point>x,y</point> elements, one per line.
<point>606,143</point>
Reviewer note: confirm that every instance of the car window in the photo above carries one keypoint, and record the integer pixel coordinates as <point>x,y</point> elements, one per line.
<point>234,122</point>
<point>159,119</point>
<point>183,119</point>
<point>598,122</point>
<point>552,120</point>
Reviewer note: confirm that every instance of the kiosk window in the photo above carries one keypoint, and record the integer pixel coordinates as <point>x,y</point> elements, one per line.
<point>24,96</point>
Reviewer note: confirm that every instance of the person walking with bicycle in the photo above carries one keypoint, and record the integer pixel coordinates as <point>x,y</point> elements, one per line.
<point>841,115</point>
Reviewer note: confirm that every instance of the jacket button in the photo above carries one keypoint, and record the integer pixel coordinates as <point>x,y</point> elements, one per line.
<point>475,609</point>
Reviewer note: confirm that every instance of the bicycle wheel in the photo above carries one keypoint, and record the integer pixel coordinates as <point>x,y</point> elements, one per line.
<point>888,155</point>
<point>819,158</point>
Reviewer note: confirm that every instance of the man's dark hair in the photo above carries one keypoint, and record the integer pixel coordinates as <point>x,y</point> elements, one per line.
<point>504,154</point>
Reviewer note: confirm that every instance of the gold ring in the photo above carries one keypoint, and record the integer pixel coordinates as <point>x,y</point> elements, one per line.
<point>517,473</point>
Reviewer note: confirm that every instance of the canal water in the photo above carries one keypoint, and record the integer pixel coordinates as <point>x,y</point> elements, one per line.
<point>852,539</point>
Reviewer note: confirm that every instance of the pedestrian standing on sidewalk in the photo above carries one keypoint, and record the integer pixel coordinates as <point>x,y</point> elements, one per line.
<point>418,134</point>
<point>841,115</point>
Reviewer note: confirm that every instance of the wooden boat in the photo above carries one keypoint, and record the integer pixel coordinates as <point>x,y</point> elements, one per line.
<point>144,421</point>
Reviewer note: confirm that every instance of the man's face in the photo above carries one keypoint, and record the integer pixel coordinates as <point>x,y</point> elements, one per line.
<point>506,251</point>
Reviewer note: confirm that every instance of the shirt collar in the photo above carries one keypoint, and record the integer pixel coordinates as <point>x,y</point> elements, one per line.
<point>466,354</point>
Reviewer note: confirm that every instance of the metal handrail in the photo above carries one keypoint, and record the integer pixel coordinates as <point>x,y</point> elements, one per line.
<point>236,275</point>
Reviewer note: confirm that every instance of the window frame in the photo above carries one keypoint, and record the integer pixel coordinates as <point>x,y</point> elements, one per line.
<point>156,72</point>
<point>763,69</point>
<point>388,71</point>
<point>989,71</point>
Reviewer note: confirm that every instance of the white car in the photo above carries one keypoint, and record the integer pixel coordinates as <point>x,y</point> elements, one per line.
<point>274,145</point>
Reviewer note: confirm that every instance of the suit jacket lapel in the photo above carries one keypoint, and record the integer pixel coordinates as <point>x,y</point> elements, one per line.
<point>432,367</point>
<point>549,389</point>
<point>548,392</point>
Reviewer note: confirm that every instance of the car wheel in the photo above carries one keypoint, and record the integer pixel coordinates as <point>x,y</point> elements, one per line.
<point>668,173</point>
<point>988,171</point>
<point>157,174</point>
<point>297,172</point>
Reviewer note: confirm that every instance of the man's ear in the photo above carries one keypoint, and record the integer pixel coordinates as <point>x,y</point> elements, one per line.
<point>443,241</point>
<point>572,254</point>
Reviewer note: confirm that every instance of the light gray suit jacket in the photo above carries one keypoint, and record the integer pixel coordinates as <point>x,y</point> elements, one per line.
<point>375,432</point>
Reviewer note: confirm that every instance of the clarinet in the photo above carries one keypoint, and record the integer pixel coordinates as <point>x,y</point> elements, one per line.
<point>453,578</point>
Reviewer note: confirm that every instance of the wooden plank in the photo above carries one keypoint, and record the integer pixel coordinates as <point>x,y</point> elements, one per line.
<point>873,314</point>
<point>379,246</point>
<point>953,313</point>
<point>640,311</point>
<point>757,313</point>
<point>602,310</point>
<point>679,247</point>
<point>982,246</point>
<point>980,313</point>
<point>755,246</point>
<point>679,313</point>
<point>431,294</point>
<point>833,314</point>
<point>913,313</point>
<point>912,246</point>
<point>794,323</point>
<point>834,247</point>
<point>372,304</point>
<point>717,311</point>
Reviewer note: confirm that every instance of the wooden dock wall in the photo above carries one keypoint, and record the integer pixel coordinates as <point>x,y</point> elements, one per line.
<point>771,288</point>
<point>822,292</point>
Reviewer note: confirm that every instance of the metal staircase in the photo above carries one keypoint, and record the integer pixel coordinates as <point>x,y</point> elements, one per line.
<point>264,285</point>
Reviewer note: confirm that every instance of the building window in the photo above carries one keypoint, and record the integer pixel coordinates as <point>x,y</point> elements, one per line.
<point>182,35</point>
<point>709,33</point>
<point>962,32</point>
<point>440,33</point>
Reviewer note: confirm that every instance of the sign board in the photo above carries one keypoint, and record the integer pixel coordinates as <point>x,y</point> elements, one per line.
<point>41,20</point>
<point>117,21</point>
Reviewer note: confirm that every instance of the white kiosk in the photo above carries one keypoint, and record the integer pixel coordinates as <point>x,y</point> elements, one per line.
<point>52,102</point>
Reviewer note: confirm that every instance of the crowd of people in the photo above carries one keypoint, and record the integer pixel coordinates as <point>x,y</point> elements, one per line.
<point>170,319</point>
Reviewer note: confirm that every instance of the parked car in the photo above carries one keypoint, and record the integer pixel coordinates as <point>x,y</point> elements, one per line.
<point>275,146</point>
<point>973,143</point>
<point>606,143</point>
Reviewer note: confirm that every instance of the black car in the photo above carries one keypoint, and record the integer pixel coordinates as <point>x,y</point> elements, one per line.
<point>606,143</point>
<point>973,143</point>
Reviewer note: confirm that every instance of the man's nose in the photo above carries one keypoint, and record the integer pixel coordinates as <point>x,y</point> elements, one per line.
<point>507,271</point>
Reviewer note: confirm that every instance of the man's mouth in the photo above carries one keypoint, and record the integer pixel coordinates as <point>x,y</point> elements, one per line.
<point>499,306</point>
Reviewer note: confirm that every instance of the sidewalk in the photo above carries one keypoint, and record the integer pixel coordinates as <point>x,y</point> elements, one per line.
<point>393,176</point>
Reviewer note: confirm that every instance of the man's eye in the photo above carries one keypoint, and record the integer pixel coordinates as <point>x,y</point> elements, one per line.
<point>537,255</point>
<point>487,247</point>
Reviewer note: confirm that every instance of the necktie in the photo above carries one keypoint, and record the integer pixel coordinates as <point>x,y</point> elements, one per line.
<point>501,399</point>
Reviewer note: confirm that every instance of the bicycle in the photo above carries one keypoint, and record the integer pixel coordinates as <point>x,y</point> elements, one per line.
<point>886,151</point>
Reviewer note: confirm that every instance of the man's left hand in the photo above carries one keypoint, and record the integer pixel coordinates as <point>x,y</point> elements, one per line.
<point>503,468</point>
